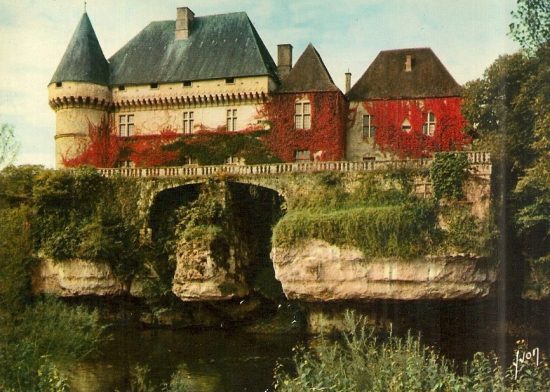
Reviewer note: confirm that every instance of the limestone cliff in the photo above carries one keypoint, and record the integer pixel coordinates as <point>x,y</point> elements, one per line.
<point>315,270</point>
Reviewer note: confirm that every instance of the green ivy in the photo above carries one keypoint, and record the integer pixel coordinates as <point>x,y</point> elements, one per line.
<point>448,173</point>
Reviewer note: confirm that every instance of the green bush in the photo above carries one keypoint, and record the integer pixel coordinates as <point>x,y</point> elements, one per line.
<point>42,336</point>
<point>401,230</point>
<point>359,361</point>
<point>448,172</point>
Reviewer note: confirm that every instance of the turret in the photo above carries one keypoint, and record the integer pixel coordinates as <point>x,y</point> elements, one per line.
<point>79,91</point>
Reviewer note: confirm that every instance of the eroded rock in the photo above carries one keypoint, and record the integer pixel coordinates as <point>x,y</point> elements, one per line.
<point>72,278</point>
<point>315,270</point>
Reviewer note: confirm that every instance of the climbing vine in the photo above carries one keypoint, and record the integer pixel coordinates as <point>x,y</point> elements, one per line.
<point>388,117</point>
<point>325,138</point>
<point>448,173</point>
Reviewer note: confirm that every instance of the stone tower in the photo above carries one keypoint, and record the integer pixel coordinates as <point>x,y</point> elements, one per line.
<point>79,91</point>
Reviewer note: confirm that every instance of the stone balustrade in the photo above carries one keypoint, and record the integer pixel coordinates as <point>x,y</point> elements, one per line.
<point>478,160</point>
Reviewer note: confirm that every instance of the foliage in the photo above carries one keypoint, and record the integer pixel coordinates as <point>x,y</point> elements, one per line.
<point>402,230</point>
<point>361,361</point>
<point>8,145</point>
<point>376,213</point>
<point>448,173</point>
<point>532,26</point>
<point>325,138</point>
<point>41,336</point>
<point>387,117</point>
<point>15,258</point>
<point>465,233</point>
<point>80,214</point>
<point>215,147</point>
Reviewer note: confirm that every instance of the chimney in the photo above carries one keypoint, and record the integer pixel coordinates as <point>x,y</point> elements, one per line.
<point>348,82</point>
<point>284,59</point>
<point>184,20</point>
<point>408,63</point>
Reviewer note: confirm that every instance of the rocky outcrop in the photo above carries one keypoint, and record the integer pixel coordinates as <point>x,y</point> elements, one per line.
<point>75,277</point>
<point>204,273</point>
<point>315,270</point>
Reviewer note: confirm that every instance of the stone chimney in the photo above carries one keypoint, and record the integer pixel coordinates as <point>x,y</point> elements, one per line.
<point>284,59</point>
<point>348,82</point>
<point>408,63</point>
<point>184,20</point>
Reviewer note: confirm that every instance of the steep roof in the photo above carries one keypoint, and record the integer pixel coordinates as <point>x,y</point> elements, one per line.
<point>83,60</point>
<point>386,77</point>
<point>219,46</point>
<point>308,74</point>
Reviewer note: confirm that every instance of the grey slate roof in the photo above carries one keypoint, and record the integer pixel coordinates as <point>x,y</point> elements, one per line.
<point>308,74</point>
<point>219,46</point>
<point>83,60</point>
<point>386,77</point>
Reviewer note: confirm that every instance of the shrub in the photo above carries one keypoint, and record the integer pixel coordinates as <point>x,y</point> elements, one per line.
<point>358,360</point>
<point>448,172</point>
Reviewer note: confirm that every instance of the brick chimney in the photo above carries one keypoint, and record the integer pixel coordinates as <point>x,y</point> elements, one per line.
<point>184,20</point>
<point>348,82</point>
<point>284,59</point>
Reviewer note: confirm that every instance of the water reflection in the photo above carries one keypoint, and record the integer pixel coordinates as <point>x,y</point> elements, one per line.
<point>209,360</point>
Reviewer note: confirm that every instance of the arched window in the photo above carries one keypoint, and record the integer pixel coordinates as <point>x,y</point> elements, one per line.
<point>302,115</point>
<point>429,124</point>
<point>406,125</point>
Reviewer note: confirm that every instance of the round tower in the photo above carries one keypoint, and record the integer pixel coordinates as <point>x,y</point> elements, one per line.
<point>79,92</point>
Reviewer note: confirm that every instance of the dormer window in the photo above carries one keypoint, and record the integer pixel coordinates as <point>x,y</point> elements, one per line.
<point>154,85</point>
<point>302,115</point>
<point>408,63</point>
<point>429,125</point>
<point>406,126</point>
<point>229,80</point>
<point>58,84</point>
<point>187,83</point>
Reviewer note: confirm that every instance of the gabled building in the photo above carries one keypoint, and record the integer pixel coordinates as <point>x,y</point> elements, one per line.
<point>307,112</point>
<point>214,74</point>
<point>194,73</point>
<point>406,104</point>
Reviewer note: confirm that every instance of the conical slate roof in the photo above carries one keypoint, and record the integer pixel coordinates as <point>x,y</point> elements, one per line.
<point>309,74</point>
<point>83,60</point>
<point>387,77</point>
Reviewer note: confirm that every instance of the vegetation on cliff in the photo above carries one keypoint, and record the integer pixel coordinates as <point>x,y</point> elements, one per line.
<point>36,335</point>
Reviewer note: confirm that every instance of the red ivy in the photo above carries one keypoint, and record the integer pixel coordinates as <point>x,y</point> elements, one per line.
<point>328,118</point>
<point>388,117</point>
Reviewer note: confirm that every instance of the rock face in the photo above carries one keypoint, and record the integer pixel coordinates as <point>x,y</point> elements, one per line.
<point>204,274</point>
<point>314,270</point>
<point>75,278</point>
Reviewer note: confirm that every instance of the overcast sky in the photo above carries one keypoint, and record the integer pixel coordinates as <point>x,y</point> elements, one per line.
<point>467,35</point>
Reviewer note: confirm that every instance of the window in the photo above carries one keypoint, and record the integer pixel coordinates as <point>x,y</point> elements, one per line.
<point>187,83</point>
<point>302,116</point>
<point>154,85</point>
<point>58,84</point>
<point>302,155</point>
<point>188,122</point>
<point>368,158</point>
<point>429,125</point>
<point>368,129</point>
<point>126,124</point>
<point>121,88</point>
<point>231,119</point>
<point>406,126</point>
<point>229,80</point>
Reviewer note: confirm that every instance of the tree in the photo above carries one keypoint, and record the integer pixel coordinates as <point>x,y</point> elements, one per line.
<point>8,145</point>
<point>532,29</point>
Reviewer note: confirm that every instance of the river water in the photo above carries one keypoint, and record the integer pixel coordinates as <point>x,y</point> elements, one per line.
<point>237,361</point>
